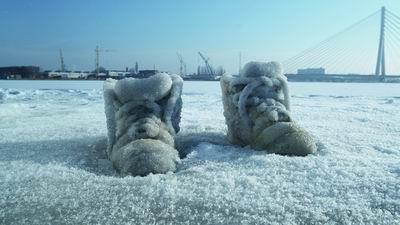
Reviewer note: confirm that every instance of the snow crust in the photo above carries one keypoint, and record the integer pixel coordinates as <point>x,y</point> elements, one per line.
<point>53,169</point>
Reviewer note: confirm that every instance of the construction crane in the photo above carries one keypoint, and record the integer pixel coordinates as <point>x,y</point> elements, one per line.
<point>97,60</point>
<point>208,67</point>
<point>182,67</point>
<point>62,61</point>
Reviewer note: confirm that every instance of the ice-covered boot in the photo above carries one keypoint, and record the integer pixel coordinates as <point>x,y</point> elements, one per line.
<point>143,117</point>
<point>256,110</point>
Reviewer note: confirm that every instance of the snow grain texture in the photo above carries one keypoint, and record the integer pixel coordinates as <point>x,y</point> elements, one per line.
<point>51,171</point>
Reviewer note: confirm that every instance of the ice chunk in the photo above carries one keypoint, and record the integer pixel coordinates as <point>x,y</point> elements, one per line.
<point>143,117</point>
<point>2,96</point>
<point>285,138</point>
<point>13,92</point>
<point>261,118</point>
<point>144,156</point>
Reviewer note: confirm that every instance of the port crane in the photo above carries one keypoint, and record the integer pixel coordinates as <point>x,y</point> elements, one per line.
<point>208,66</point>
<point>182,65</point>
<point>97,60</point>
<point>62,61</point>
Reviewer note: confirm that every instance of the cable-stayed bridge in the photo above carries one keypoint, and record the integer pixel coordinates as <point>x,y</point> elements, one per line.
<point>368,50</point>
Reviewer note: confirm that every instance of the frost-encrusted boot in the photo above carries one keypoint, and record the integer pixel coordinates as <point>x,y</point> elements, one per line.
<point>256,110</point>
<point>143,117</point>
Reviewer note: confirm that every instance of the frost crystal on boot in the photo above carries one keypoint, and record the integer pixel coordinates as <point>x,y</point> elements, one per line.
<point>257,111</point>
<point>143,117</point>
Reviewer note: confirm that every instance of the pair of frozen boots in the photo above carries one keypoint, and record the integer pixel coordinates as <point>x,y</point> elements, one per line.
<point>143,118</point>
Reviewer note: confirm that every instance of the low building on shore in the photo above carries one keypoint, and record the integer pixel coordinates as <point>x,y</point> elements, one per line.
<point>118,74</point>
<point>311,71</point>
<point>145,73</point>
<point>68,75</point>
<point>20,72</point>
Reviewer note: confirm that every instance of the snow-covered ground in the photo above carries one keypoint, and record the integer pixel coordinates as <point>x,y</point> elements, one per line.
<point>52,170</point>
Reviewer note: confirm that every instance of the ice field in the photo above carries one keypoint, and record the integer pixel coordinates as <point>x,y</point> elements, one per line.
<point>53,171</point>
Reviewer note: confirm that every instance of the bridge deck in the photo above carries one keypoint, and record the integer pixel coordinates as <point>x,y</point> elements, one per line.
<point>342,78</point>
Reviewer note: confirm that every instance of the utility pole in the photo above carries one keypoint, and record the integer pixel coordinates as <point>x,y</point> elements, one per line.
<point>380,62</point>
<point>62,61</point>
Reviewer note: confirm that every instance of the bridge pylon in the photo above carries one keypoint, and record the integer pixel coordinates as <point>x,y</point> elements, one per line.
<point>380,61</point>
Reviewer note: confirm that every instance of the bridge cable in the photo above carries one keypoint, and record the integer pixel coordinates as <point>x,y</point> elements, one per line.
<point>335,35</point>
<point>365,58</point>
<point>393,55</point>
<point>394,32</point>
<point>312,57</point>
<point>393,25</point>
<point>322,48</point>
<point>393,15</point>
<point>394,45</point>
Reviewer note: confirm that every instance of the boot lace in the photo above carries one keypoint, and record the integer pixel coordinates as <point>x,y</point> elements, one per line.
<point>264,96</point>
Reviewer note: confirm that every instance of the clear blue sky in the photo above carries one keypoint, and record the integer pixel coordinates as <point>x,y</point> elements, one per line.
<point>151,32</point>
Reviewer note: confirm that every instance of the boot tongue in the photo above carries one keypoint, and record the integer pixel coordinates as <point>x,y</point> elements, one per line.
<point>259,69</point>
<point>152,88</point>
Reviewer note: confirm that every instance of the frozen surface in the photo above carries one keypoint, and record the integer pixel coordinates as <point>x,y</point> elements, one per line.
<point>53,170</point>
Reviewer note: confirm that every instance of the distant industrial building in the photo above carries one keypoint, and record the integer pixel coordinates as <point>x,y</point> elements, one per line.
<point>68,75</point>
<point>118,74</point>
<point>20,72</point>
<point>33,72</point>
<point>311,71</point>
<point>145,73</point>
<point>115,74</point>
